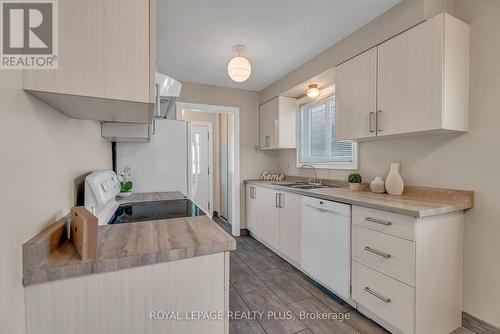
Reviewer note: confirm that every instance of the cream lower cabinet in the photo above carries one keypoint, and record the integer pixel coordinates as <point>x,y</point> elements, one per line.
<point>415,83</point>
<point>275,217</point>
<point>268,216</point>
<point>251,208</point>
<point>290,224</point>
<point>262,214</point>
<point>135,300</point>
<point>407,272</point>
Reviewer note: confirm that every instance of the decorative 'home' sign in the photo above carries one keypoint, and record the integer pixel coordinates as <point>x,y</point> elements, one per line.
<point>272,177</point>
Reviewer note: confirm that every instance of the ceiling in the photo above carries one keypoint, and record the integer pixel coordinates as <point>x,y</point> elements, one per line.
<point>195,38</point>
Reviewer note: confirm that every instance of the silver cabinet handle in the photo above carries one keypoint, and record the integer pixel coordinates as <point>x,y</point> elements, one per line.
<point>370,123</point>
<point>377,252</point>
<point>157,92</point>
<point>382,298</point>
<point>377,121</point>
<point>280,200</point>
<point>377,221</point>
<point>252,192</point>
<point>267,141</point>
<point>276,200</point>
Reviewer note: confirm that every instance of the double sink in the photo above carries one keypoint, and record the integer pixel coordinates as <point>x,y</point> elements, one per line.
<point>302,185</point>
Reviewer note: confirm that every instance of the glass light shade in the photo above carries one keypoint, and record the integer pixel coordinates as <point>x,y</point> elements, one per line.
<point>239,69</point>
<point>313,91</point>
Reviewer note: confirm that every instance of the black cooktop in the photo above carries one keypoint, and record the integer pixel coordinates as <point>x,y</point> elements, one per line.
<point>144,211</point>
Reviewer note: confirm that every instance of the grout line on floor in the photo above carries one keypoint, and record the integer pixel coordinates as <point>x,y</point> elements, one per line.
<point>244,302</point>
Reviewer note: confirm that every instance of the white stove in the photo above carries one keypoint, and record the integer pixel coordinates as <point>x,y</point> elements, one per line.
<point>101,188</point>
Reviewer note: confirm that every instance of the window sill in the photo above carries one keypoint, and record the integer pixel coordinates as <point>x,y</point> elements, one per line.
<point>335,165</point>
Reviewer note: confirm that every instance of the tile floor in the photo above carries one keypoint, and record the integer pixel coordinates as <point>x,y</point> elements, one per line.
<point>261,281</point>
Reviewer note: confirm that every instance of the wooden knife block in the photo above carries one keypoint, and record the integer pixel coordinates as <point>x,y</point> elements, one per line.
<point>84,232</point>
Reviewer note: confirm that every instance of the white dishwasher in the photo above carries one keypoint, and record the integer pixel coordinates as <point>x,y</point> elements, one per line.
<point>326,244</point>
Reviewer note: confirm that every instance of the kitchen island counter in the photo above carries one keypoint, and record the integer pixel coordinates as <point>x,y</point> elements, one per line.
<point>50,256</point>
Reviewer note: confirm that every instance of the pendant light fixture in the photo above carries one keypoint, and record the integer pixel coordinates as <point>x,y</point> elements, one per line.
<point>239,68</point>
<point>313,91</point>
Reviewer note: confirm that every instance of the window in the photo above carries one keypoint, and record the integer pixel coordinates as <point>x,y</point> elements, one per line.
<point>317,138</point>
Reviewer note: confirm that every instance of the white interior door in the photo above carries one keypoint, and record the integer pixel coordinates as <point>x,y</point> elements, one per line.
<point>233,205</point>
<point>201,165</point>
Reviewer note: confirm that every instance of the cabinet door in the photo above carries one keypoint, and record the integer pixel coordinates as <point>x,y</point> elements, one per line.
<point>251,198</point>
<point>410,79</point>
<point>286,129</point>
<point>356,96</point>
<point>290,219</point>
<point>106,50</point>
<point>267,218</point>
<point>269,118</point>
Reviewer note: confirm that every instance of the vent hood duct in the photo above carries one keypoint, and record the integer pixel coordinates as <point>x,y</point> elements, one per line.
<point>167,92</point>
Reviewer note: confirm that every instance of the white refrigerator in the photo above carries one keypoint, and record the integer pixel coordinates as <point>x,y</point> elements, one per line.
<point>160,165</point>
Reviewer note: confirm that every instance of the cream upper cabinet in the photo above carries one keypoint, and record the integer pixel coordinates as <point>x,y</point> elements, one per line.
<point>422,83</point>
<point>423,78</point>
<point>277,123</point>
<point>290,224</point>
<point>106,61</point>
<point>356,96</point>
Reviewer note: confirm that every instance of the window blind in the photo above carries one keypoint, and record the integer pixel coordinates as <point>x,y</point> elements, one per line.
<point>317,135</point>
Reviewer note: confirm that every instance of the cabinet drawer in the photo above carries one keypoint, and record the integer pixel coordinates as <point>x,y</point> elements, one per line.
<point>390,255</point>
<point>387,298</point>
<point>386,222</point>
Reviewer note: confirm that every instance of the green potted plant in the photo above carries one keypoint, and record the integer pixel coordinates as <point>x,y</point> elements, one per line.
<point>354,181</point>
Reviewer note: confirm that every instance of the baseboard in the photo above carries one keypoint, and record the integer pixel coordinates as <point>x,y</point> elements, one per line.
<point>478,326</point>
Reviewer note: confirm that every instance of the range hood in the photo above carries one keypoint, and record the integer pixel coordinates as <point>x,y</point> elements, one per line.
<point>167,92</point>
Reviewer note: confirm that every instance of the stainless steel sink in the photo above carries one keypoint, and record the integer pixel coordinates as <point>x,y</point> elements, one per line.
<point>302,185</point>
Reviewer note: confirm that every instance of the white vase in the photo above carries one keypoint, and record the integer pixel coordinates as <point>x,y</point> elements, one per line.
<point>394,182</point>
<point>377,185</point>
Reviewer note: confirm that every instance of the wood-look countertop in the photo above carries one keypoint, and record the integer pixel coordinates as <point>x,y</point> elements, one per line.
<point>151,197</point>
<point>49,256</point>
<point>418,202</point>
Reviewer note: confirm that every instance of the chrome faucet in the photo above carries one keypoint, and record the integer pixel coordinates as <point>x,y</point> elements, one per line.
<point>315,180</point>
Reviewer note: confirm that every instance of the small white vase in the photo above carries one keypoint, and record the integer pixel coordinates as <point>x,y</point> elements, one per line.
<point>354,186</point>
<point>125,194</point>
<point>377,185</point>
<point>394,182</point>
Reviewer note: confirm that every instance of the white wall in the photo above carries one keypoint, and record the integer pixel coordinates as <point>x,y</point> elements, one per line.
<point>252,161</point>
<point>403,16</point>
<point>225,191</point>
<point>469,161</point>
<point>42,153</point>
